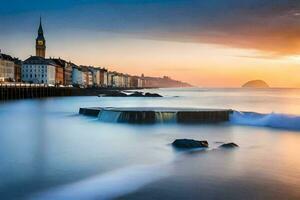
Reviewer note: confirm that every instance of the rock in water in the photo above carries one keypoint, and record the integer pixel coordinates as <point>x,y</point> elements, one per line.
<point>136,94</point>
<point>152,95</point>
<point>112,93</point>
<point>140,94</point>
<point>229,145</point>
<point>256,84</point>
<point>189,144</point>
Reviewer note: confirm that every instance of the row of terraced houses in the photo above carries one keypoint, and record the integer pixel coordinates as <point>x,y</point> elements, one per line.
<point>56,71</point>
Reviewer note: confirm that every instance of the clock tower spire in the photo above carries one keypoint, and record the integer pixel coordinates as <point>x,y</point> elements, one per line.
<point>40,44</point>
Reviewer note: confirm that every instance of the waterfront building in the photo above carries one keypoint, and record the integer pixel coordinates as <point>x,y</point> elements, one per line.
<point>78,77</point>
<point>40,42</point>
<point>88,75</point>
<point>7,68</point>
<point>17,70</point>
<point>113,79</point>
<point>116,79</point>
<point>126,81</point>
<point>136,82</point>
<point>96,76</point>
<point>105,78</point>
<point>68,73</point>
<point>37,69</point>
<point>140,83</point>
<point>64,71</point>
<point>121,80</point>
<point>110,79</point>
<point>84,75</point>
<point>59,75</point>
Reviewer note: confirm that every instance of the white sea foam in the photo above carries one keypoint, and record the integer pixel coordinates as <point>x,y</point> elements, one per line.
<point>274,120</point>
<point>107,186</point>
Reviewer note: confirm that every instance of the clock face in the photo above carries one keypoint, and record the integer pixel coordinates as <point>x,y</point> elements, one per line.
<point>40,42</point>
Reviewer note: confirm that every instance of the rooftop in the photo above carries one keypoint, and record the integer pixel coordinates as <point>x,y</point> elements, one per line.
<point>39,60</point>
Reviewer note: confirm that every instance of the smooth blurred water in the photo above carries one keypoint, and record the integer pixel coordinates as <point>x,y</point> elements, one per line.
<point>48,151</point>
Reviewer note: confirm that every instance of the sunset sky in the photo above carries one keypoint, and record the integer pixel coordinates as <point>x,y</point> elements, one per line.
<point>209,43</point>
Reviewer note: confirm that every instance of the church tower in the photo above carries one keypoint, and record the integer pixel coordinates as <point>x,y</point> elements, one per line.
<point>40,44</point>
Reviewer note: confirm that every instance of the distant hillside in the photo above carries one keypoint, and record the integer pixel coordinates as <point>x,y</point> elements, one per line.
<point>256,84</point>
<point>163,82</point>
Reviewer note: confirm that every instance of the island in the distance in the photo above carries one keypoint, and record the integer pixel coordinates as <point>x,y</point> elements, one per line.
<point>256,84</point>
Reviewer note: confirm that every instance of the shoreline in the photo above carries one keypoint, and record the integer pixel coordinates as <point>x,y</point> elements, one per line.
<point>26,91</point>
<point>33,92</point>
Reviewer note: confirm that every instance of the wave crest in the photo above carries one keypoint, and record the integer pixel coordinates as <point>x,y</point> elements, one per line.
<point>273,120</point>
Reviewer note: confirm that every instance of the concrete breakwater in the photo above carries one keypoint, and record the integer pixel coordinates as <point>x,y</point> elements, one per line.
<point>157,115</point>
<point>38,91</point>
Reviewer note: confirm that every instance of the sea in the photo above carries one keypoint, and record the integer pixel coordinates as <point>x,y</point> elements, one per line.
<point>50,152</point>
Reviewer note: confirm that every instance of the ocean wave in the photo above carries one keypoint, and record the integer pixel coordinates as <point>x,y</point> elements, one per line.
<point>273,120</point>
<point>107,186</point>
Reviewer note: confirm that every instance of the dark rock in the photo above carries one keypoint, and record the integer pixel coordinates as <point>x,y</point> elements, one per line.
<point>136,94</point>
<point>189,144</point>
<point>113,94</point>
<point>116,93</point>
<point>152,95</point>
<point>140,94</point>
<point>229,145</point>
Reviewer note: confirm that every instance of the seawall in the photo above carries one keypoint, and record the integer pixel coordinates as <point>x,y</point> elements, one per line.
<point>31,91</point>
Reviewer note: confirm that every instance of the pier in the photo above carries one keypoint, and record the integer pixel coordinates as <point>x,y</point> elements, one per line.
<point>154,115</point>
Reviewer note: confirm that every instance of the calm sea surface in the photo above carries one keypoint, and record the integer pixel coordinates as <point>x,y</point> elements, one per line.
<point>49,152</point>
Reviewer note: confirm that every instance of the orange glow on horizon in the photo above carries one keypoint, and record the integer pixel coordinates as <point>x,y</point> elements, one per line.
<point>204,65</point>
<point>199,64</point>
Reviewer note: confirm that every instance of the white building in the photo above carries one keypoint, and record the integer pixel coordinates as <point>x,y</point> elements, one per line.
<point>116,80</point>
<point>7,68</point>
<point>38,70</point>
<point>88,75</point>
